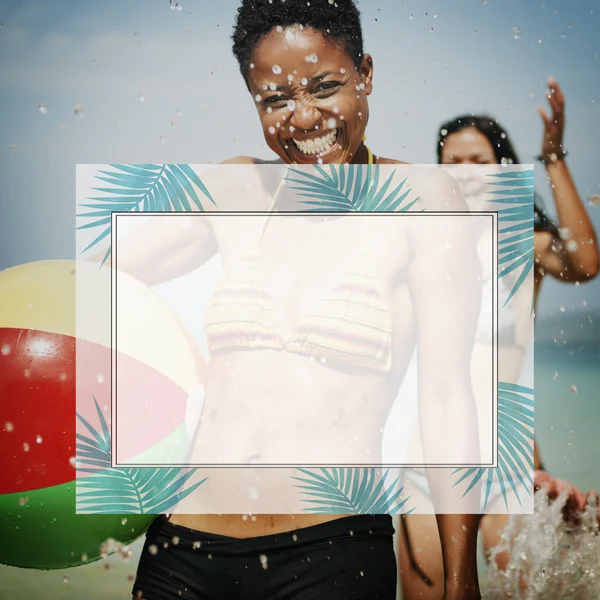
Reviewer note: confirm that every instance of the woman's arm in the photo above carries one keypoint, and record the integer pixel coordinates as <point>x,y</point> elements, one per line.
<point>576,257</point>
<point>164,248</point>
<point>444,283</point>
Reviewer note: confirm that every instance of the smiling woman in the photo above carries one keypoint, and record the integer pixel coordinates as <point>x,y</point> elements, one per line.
<point>310,89</point>
<point>304,65</point>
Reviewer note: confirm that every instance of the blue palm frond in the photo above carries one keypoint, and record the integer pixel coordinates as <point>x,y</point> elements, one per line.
<point>350,491</point>
<point>515,446</point>
<point>514,191</point>
<point>142,188</point>
<point>349,188</point>
<point>106,490</point>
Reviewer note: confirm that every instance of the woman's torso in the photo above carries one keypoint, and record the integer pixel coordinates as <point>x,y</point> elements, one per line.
<point>245,383</point>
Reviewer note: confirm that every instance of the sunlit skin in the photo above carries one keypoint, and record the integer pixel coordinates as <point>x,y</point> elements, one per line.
<point>309,99</point>
<point>471,147</point>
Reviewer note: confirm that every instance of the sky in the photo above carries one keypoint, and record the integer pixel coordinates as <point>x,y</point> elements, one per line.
<point>154,84</point>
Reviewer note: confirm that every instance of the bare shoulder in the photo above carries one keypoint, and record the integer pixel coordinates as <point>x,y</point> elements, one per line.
<point>436,189</point>
<point>240,160</point>
<point>249,160</point>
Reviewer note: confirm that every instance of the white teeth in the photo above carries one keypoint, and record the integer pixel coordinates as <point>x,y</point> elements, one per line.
<point>317,145</point>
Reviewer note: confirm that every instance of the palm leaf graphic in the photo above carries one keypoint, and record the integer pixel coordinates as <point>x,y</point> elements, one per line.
<point>349,188</point>
<point>350,491</point>
<point>515,445</point>
<point>104,490</point>
<point>142,188</point>
<point>514,190</point>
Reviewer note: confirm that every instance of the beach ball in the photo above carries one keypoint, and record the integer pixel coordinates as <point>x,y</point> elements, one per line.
<point>57,393</point>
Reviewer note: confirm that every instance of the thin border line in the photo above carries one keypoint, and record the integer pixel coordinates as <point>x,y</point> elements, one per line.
<point>114,444</point>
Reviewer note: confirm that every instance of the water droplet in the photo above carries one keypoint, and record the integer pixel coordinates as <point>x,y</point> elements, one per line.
<point>263,561</point>
<point>153,549</point>
<point>26,447</point>
<point>272,130</point>
<point>100,378</point>
<point>23,501</point>
<point>362,574</point>
<point>65,579</point>
<point>78,110</point>
<point>295,537</point>
<point>565,233</point>
<point>594,200</point>
<point>8,426</point>
<point>142,98</point>
<point>175,541</point>
<point>175,5</point>
<point>304,81</point>
<point>572,246</point>
<point>332,123</point>
<point>5,350</point>
<point>573,389</point>
<point>43,108</point>
<point>563,35</point>
<point>277,69</point>
<point>196,545</point>
<point>516,33</point>
<point>312,58</point>
<point>291,105</point>
<point>569,25</point>
<point>38,439</point>
<point>13,147</point>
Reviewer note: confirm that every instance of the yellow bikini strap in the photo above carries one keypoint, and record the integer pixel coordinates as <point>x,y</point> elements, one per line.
<point>370,161</point>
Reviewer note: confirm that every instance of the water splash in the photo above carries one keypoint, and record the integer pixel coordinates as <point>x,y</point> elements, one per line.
<point>554,560</point>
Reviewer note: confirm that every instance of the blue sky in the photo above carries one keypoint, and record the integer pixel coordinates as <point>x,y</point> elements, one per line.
<point>433,60</point>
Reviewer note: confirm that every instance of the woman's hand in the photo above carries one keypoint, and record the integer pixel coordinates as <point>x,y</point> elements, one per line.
<point>554,125</point>
<point>577,500</point>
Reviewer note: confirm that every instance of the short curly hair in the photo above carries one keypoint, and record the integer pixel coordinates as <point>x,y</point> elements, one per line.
<point>338,20</point>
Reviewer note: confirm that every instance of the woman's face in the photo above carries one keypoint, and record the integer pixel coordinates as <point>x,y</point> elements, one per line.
<point>311,100</point>
<point>466,152</point>
<point>467,147</point>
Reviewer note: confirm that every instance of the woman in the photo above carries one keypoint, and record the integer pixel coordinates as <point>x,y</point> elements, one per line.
<point>567,252</point>
<point>304,66</point>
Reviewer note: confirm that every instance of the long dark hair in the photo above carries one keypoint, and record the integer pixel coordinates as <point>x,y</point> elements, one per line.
<point>503,151</point>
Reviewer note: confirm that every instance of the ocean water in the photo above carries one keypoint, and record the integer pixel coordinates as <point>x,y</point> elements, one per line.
<point>567,380</point>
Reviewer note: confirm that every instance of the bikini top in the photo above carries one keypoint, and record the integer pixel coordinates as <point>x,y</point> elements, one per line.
<point>350,326</point>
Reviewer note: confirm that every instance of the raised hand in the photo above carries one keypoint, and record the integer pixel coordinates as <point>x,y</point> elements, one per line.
<point>554,124</point>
